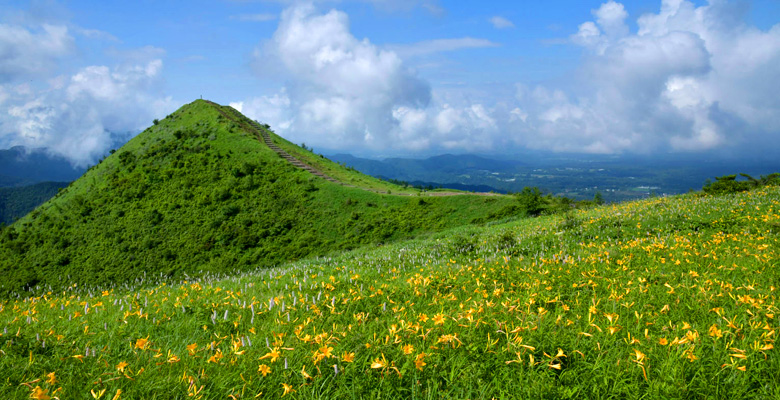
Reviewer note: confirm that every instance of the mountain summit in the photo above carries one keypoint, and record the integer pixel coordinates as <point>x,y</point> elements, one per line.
<point>207,190</point>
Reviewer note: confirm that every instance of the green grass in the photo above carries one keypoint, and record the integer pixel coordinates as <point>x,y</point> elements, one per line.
<point>347,175</point>
<point>663,298</point>
<point>196,194</point>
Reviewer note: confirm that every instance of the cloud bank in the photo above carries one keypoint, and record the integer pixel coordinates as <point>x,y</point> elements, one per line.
<point>78,115</point>
<point>688,79</point>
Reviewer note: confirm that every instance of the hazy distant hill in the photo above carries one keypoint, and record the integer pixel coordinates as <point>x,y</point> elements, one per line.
<point>18,167</point>
<point>440,169</point>
<point>578,176</point>
<point>198,192</point>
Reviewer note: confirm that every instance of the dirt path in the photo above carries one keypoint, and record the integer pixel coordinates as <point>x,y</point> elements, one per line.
<point>263,136</point>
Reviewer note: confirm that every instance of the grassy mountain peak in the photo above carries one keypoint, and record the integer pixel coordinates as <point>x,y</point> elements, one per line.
<point>200,191</point>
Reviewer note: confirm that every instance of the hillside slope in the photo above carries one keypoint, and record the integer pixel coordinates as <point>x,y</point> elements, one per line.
<point>672,298</point>
<point>198,193</point>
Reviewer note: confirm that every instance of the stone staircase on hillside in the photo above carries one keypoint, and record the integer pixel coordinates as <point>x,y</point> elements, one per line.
<point>261,134</point>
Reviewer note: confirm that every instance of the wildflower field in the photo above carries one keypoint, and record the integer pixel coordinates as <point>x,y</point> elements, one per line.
<point>662,298</point>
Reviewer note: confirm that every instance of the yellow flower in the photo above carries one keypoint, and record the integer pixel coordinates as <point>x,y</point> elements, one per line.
<point>192,348</point>
<point>121,366</point>
<point>348,357</point>
<point>438,319</point>
<point>639,356</point>
<point>408,349</point>
<point>118,393</point>
<point>97,394</point>
<point>326,351</point>
<point>51,378</point>
<point>216,357</point>
<point>715,332</point>
<point>423,318</point>
<point>40,394</point>
<point>418,362</point>
<point>449,338</point>
<point>142,343</point>
<point>305,374</point>
<point>663,341</point>
<point>379,363</point>
<point>274,355</point>
<point>287,389</point>
<point>264,369</point>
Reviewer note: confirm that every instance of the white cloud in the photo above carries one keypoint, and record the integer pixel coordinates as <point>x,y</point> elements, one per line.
<point>341,89</point>
<point>273,110</point>
<point>611,18</point>
<point>690,79</point>
<point>82,118</point>
<point>75,112</point>
<point>346,93</point>
<point>32,52</point>
<point>687,79</point>
<point>501,22</point>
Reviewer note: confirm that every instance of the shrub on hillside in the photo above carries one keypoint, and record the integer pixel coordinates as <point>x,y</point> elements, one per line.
<point>729,183</point>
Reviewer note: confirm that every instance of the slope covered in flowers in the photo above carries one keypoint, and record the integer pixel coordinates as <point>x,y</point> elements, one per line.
<point>669,297</point>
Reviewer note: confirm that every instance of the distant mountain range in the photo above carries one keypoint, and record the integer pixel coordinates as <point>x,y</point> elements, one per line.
<point>578,176</point>
<point>30,177</point>
<point>20,167</point>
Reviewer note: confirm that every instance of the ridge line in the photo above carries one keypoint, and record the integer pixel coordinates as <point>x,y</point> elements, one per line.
<point>263,136</point>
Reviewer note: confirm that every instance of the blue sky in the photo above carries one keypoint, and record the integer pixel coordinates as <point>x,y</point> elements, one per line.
<point>404,77</point>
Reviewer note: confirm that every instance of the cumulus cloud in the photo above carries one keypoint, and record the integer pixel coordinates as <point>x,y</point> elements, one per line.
<point>687,79</point>
<point>347,93</point>
<point>75,112</point>
<point>690,79</point>
<point>340,87</point>
<point>84,116</point>
<point>499,22</point>
<point>25,52</point>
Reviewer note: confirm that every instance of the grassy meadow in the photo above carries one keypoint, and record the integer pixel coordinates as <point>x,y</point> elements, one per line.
<point>663,298</point>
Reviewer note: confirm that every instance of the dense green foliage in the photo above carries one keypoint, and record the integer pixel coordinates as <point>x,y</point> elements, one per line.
<point>15,202</point>
<point>196,193</point>
<point>667,298</point>
<point>729,184</point>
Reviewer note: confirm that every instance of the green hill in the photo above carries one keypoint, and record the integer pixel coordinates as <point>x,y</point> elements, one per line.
<point>201,192</point>
<point>667,298</point>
